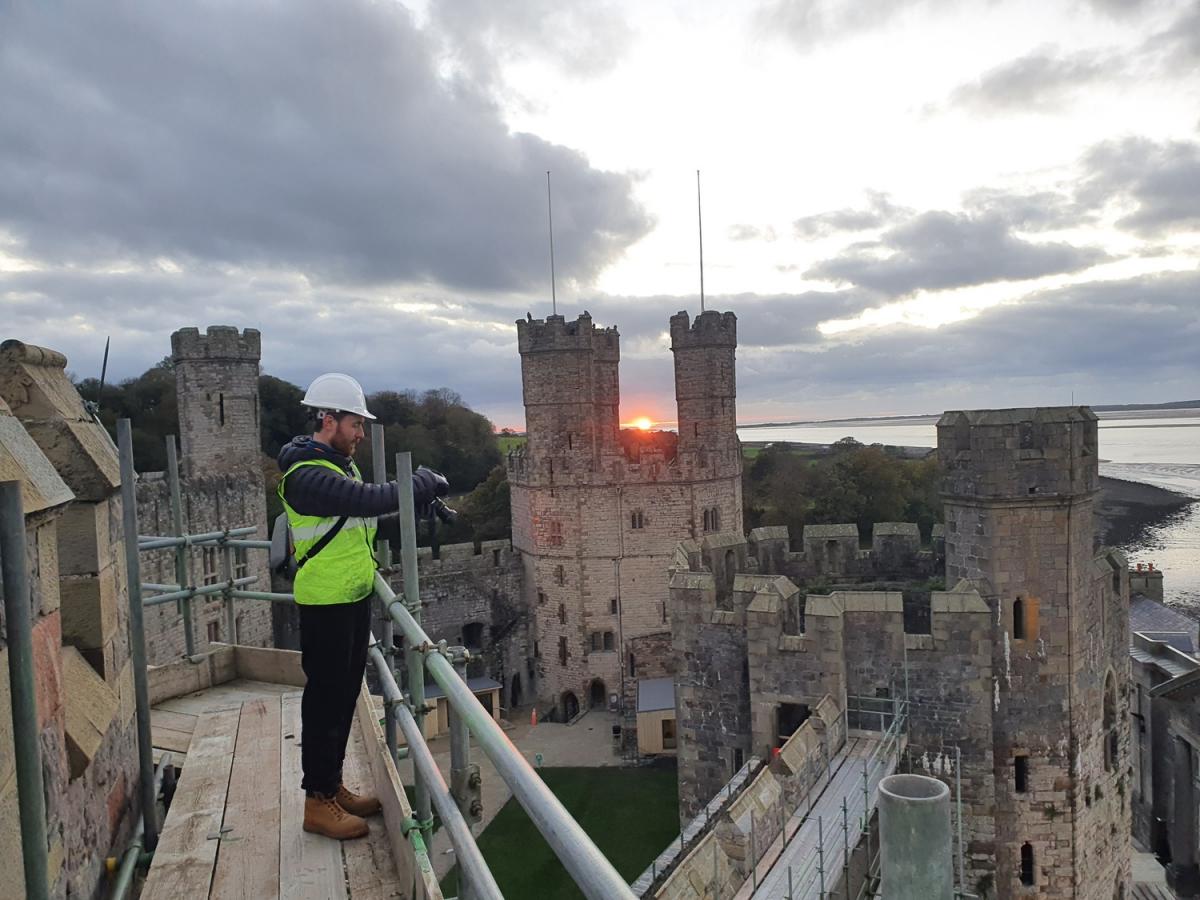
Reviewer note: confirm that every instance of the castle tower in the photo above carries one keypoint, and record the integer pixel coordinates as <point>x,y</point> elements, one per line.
<point>596,531</point>
<point>570,386</point>
<point>710,454</point>
<point>1019,490</point>
<point>216,383</point>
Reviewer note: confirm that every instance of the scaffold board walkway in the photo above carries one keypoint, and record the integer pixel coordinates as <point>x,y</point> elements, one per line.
<point>821,826</point>
<point>234,828</point>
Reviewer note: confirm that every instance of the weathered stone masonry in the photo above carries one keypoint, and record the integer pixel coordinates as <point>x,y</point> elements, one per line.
<point>1022,668</point>
<point>596,530</point>
<point>84,678</point>
<point>216,384</point>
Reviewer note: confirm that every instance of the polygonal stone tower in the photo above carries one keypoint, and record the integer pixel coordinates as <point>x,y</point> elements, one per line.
<point>706,391</point>
<point>216,378</point>
<point>571,391</point>
<point>1019,490</point>
<point>596,530</point>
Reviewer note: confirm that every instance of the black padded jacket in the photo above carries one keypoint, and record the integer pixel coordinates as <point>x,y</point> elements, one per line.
<point>319,491</point>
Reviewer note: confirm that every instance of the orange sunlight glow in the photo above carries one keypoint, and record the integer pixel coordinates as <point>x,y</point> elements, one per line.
<point>642,423</point>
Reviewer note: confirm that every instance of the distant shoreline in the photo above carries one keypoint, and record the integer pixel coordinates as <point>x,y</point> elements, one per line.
<point>1184,409</point>
<point>1126,508</point>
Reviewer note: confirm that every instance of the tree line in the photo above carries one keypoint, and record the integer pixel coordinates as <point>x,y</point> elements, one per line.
<point>849,483</point>
<point>436,426</point>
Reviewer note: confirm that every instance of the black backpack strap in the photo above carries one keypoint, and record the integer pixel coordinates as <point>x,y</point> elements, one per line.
<point>322,543</point>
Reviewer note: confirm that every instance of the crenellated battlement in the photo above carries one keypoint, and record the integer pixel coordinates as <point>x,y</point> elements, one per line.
<point>555,333</point>
<point>708,329</point>
<point>220,342</point>
<point>1019,454</point>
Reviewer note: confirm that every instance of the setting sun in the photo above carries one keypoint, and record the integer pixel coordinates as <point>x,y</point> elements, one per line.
<point>642,423</point>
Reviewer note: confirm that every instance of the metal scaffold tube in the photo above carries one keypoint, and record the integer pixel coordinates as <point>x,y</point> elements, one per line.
<point>588,867</point>
<point>18,623</point>
<point>133,853</point>
<point>182,573</point>
<point>472,866</point>
<point>137,633</point>
<point>383,559</point>
<point>412,596</point>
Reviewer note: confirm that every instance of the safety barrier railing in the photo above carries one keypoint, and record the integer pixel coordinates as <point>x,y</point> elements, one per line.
<point>817,875</point>
<point>405,710</point>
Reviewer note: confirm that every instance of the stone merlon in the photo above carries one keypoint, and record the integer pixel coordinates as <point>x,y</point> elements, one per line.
<point>220,342</point>
<point>709,329</point>
<point>555,333</point>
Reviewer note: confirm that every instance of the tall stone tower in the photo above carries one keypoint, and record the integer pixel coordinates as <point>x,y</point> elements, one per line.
<point>216,377</point>
<point>1019,490</point>
<point>710,454</point>
<point>596,530</point>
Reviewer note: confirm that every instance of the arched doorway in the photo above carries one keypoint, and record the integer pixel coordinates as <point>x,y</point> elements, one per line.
<point>570,705</point>
<point>514,694</point>
<point>597,694</point>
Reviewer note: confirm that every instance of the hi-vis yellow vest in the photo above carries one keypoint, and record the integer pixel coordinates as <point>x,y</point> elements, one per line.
<point>344,570</point>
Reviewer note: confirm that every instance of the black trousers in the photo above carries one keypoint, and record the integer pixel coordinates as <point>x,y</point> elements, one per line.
<point>333,647</point>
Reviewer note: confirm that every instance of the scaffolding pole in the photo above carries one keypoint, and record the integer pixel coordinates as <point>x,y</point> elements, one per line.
<point>18,624</point>
<point>182,573</point>
<point>471,865</point>
<point>137,634</point>
<point>383,559</point>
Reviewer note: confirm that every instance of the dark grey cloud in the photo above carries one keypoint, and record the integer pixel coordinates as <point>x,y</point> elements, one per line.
<point>1161,181</point>
<point>937,250</point>
<point>752,233</point>
<point>295,135</point>
<point>878,212</point>
<point>419,341</point>
<point>1032,352</point>
<point>1043,81</point>
<point>583,38</point>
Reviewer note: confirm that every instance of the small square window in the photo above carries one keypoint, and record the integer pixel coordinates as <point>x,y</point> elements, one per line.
<point>608,640</point>
<point>612,606</point>
<point>214,631</point>
<point>637,520</point>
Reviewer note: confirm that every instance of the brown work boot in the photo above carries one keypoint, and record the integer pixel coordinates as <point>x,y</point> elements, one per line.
<point>322,815</point>
<point>355,804</point>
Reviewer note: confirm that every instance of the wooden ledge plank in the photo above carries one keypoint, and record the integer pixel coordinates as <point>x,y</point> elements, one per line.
<point>248,862</point>
<point>310,866</point>
<point>184,860</point>
<point>370,866</point>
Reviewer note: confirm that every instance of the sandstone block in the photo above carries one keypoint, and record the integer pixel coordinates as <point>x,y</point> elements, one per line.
<point>91,706</point>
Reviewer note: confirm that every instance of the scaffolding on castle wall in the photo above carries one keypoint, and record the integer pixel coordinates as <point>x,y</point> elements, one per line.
<point>404,710</point>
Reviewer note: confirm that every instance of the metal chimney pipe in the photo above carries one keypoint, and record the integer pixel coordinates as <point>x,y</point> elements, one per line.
<point>914,832</point>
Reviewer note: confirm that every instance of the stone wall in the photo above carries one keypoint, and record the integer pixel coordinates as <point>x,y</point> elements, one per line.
<point>1019,488</point>
<point>83,675</point>
<point>209,504</point>
<point>597,530</point>
<point>216,386</point>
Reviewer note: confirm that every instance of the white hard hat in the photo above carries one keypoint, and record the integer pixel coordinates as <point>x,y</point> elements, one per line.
<point>335,391</point>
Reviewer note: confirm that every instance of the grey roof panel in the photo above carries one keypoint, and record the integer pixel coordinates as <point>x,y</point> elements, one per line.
<point>655,694</point>
<point>1148,615</point>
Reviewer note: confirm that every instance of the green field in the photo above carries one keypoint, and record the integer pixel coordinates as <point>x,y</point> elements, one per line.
<point>631,814</point>
<point>509,442</point>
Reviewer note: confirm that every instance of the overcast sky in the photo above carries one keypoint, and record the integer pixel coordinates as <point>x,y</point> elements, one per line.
<point>911,206</point>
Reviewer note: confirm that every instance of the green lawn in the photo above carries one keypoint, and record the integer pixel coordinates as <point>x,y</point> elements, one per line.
<point>631,814</point>
<point>510,442</point>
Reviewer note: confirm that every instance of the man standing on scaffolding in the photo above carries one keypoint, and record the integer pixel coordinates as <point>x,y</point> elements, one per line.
<point>334,519</point>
